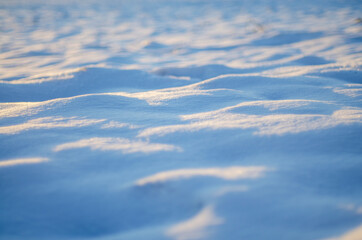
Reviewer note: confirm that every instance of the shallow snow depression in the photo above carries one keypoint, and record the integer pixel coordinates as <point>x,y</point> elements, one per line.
<point>181,120</point>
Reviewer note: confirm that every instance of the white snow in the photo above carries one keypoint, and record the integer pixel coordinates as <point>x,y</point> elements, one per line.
<point>196,227</point>
<point>13,162</point>
<point>180,119</point>
<point>354,234</point>
<point>266,125</point>
<point>229,173</point>
<point>122,144</point>
<point>49,122</point>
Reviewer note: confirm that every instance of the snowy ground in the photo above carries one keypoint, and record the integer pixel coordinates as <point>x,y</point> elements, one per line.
<point>181,120</point>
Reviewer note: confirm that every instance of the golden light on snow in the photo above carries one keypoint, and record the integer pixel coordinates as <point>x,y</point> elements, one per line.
<point>22,161</point>
<point>195,227</point>
<point>227,173</point>
<point>117,144</point>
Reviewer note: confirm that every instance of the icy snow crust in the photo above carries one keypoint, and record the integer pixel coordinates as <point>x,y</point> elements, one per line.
<point>181,120</point>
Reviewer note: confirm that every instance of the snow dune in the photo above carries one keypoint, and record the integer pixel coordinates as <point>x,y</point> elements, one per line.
<point>228,173</point>
<point>17,161</point>
<point>180,120</point>
<point>195,227</point>
<point>125,145</point>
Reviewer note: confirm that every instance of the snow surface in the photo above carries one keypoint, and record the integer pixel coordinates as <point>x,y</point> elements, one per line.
<point>181,120</point>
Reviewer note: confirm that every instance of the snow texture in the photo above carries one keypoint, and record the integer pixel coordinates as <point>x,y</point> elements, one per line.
<point>181,120</point>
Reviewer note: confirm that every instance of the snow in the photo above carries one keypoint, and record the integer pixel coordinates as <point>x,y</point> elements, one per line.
<point>180,120</point>
<point>124,145</point>
<point>195,228</point>
<point>12,162</point>
<point>354,234</point>
<point>226,173</point>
